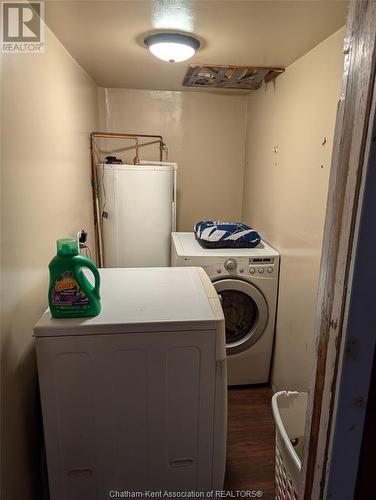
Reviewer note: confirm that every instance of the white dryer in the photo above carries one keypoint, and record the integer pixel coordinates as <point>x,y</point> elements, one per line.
<point>135,398</point>
<point>247,282</point>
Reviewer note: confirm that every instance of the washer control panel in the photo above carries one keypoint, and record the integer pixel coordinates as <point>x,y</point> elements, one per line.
<point>266,267</point>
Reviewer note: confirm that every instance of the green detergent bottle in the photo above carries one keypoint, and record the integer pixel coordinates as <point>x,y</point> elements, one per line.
<point>71,295</point>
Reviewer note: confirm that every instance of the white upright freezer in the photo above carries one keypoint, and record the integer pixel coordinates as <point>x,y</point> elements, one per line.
<point>138,212</point>
<point>135,399</point>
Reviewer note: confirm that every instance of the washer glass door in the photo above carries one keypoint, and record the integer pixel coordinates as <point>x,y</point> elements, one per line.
<point>246,313</point>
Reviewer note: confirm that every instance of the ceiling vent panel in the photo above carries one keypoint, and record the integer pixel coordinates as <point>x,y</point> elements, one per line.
<point>229,77</point>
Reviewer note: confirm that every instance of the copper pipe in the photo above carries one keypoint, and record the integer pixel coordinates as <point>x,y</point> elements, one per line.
<point>94,179</point>
<point>111,135</point>
<point>121,135</point>
<point>136,159</point>
<point>96,207</point>
<point>128,148</point>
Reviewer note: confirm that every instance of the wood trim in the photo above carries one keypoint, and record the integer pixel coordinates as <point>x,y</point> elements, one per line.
<point>346,174</point>
<point>358,345</point>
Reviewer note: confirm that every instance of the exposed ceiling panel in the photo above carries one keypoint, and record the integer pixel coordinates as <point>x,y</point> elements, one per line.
<point>229,77</point>
<point>106,37</point>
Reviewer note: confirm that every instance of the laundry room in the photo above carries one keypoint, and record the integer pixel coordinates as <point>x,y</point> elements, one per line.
<point>170,159</point>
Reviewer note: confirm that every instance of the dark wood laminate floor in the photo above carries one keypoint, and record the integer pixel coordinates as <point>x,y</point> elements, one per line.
<point>250,440</point>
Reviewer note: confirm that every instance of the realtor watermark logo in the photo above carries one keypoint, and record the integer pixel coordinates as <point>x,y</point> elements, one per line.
<point>22,27</point>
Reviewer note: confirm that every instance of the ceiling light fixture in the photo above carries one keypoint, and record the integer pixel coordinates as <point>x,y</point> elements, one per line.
<point>172,47</point>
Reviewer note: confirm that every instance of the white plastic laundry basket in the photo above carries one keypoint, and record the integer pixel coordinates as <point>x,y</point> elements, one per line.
<point>289,411</point>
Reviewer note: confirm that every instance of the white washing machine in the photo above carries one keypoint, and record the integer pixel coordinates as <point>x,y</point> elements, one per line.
<point>247,282</point>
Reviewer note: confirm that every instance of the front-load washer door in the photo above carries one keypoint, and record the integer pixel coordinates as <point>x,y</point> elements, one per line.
<point>246,313</point>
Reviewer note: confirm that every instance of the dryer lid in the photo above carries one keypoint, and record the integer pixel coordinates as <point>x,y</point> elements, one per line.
<point>147,299</point>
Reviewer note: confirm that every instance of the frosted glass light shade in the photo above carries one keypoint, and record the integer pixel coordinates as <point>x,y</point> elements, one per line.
<point>172,52</point>
<point>172,47</point>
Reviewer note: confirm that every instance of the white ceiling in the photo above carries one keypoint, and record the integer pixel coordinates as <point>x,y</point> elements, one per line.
<point>106,37</point>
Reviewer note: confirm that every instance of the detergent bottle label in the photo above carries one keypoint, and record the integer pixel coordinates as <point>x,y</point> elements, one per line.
<point>67,292</point>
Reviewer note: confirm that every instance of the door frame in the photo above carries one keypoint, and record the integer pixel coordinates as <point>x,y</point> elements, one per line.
<point>347,183</point>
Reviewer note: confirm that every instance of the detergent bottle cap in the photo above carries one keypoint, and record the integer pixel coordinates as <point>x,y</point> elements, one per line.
<point>67,246</point>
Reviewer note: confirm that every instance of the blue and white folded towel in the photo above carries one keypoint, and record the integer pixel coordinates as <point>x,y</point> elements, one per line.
<point>218,234</point>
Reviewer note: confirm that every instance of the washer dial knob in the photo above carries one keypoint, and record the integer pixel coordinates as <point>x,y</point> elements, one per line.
<point>230,264</point>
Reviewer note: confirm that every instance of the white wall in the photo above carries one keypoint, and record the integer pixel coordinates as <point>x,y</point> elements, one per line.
<point>285,192</point>
<point>49,107</point>
<point>205,134</point>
